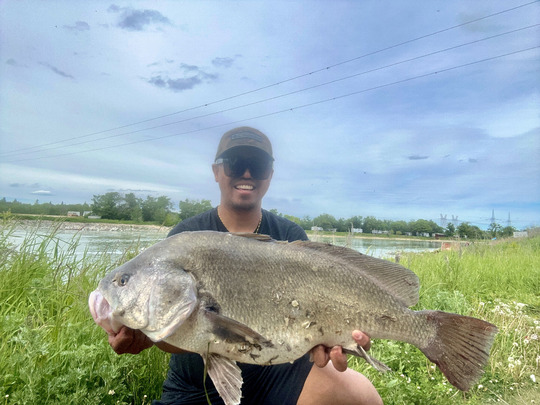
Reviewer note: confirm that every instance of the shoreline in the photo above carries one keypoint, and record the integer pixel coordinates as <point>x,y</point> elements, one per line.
<point>118,227</point>
<point>92,226</point>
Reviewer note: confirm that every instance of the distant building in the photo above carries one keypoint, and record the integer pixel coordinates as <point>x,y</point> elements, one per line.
<point>523,234</point>
<point>357,230</point>
<point>73,214</point>
<point>86,213</point>
<point>316,228</point>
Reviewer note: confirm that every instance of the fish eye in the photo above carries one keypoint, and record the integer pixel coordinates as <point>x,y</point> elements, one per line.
<point>124,278</point>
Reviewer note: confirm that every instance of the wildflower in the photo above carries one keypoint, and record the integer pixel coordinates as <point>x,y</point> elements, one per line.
<point>533,378</point>
<point>480,386</point>
<point>111,392</point>
<point>534,336</point>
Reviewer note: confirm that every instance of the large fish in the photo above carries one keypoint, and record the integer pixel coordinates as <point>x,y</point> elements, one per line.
<point>254,300</point>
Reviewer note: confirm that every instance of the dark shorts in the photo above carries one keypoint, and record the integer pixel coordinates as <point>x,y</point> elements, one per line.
<point>269,385</point>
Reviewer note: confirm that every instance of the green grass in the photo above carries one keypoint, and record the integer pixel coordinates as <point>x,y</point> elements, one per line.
<point>51,352</point>
<point>499,283</point>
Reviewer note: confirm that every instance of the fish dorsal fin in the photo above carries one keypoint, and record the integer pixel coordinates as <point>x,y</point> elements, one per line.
<point>226,376</point>
<point>256,236</point>
<point>401,282</point>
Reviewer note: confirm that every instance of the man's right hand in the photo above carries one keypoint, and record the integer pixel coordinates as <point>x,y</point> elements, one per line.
<point>129,341</point>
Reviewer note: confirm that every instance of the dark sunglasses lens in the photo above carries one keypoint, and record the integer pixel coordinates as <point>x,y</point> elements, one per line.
<point>236,167</point>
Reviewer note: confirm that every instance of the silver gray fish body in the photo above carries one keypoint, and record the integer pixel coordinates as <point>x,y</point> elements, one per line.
<point>252,300</point>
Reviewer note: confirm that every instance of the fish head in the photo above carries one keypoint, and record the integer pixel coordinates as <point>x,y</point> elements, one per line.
<point>155,296</point>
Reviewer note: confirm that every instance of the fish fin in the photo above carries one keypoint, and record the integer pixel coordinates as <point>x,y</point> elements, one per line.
<point>226,376</point>
<point>234,331</point>
<point>257,236</point>
<point>372,361</point>
<point>401,282</point>
<point>461,347</point>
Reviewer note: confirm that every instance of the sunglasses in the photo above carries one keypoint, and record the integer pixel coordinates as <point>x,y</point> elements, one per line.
<point>260,169</point>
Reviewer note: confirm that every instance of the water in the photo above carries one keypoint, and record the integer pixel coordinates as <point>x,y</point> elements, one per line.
<point>92,243</point>
<point>378,247</point>
<point>117,242</point>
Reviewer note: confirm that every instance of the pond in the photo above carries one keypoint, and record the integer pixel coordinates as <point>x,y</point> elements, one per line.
<point>116,242</point>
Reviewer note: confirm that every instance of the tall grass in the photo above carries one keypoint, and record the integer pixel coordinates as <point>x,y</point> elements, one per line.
<point>499,283</point>
<point>52,352</point>
<point>50,349</point>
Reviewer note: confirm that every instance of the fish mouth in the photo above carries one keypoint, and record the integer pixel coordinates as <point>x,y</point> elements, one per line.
<point>102,313</point>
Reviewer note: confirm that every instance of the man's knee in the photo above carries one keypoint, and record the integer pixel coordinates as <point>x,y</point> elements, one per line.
<point>328,386</point>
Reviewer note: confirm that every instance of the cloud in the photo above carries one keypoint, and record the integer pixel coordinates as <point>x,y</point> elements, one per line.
<point>42,192</point>
<point>56,70</point>
<point>195,76</point>
<point>223,62</point>
<point>137,20</point>
<point>417,157</point>
<point>79,26</point>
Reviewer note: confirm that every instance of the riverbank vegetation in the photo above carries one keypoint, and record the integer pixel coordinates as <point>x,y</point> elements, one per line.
<point>52,352</point>
<point>114,206</point>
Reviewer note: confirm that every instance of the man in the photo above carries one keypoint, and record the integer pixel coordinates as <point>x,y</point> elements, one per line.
<point>243,169</point>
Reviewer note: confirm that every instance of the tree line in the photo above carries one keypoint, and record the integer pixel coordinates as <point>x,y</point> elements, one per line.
<point>129,207</point>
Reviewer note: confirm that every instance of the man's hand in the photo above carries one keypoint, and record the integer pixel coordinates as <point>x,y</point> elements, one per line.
<point>129,341</point>
<point>322,354</point>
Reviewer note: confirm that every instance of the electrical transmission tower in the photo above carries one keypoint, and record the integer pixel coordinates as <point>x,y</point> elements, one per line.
<point>443,221</point>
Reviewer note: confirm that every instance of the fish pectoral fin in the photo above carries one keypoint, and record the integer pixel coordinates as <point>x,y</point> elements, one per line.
<point>372,361</point>
<point>234,331</point>
<point>226,376</point>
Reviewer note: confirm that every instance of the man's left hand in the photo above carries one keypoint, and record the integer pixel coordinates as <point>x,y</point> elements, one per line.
<point>322,355</point>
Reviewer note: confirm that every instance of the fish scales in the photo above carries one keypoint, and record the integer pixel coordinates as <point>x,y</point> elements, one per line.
<point>249,299</point>
<point>298,285</point>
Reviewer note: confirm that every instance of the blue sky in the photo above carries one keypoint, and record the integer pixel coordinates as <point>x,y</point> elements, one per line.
<point>396,109</point>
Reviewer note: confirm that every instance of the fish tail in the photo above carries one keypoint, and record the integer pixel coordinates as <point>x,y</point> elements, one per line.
<point>460,348</point>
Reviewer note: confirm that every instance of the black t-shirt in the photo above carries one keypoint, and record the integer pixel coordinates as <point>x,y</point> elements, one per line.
<point>269,385</point>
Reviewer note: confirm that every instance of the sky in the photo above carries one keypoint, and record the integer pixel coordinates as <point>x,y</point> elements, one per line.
<point>395,109</point>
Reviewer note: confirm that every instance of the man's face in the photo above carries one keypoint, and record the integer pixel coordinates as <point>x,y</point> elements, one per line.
<point>241,189</point>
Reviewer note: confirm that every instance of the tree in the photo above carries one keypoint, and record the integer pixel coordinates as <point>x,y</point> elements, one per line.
<point>156,209</point>
<point>325,221</point>
<point>106,205</point>
<point>466,230</point>
<point>508,231</point>
<point>494,229</point>
<point>190,208</point>
<point>450,229</point>
<point>133,207</point>
<point>370,224</point>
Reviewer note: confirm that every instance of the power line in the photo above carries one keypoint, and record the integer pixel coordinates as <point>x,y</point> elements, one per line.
<point>291,108</point>
<point>274,84</point>
<point>274,97</point>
